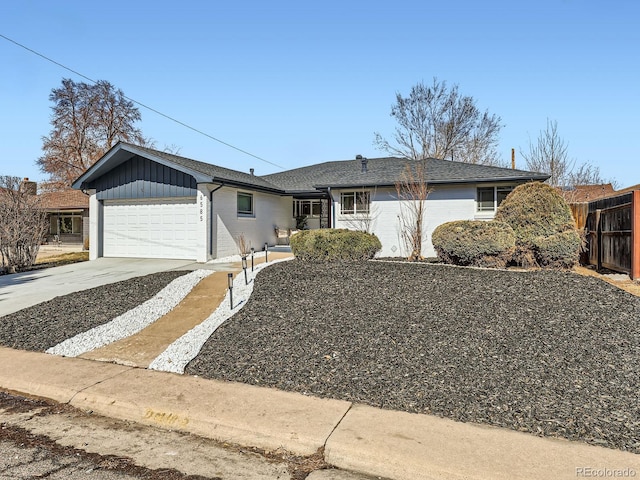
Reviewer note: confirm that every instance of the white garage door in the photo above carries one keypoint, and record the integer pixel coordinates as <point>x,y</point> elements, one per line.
<point>166,228</point>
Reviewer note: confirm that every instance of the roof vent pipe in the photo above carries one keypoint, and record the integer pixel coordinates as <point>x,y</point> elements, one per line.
<point>252,171</point>
<point>363,161</point>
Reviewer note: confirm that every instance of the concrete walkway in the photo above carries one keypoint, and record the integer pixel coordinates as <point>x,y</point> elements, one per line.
<point>359,438</point>
<point>141,349</point>
<point>22,290</point>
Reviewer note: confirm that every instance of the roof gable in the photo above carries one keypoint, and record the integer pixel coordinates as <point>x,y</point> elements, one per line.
<point>201,171</point>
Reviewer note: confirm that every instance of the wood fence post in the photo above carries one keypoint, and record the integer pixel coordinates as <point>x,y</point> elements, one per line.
<point>598,241</point>
<point>635,235</point>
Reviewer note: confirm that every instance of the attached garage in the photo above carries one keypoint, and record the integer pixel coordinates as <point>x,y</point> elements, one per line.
<point>145,203</point>
<point>158,228</point>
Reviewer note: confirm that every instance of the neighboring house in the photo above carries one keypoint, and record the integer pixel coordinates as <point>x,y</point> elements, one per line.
<point>628,189</point>
<point>587,193</point>
<point>68,215</point>
<point>152,204</point>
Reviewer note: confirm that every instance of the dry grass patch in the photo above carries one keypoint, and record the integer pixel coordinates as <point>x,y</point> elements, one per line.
<point>61,259</point>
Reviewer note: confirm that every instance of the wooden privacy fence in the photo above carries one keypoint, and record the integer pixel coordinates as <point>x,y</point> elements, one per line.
<point>580,212</point>
<point>613,233</point>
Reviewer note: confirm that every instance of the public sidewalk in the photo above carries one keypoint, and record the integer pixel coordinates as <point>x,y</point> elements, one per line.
<point>363,439</point>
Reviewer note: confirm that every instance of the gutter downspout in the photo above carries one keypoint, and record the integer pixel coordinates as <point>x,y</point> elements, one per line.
<point>211,217</point>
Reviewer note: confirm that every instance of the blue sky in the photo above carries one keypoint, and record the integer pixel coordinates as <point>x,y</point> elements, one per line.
<point>298,83</point>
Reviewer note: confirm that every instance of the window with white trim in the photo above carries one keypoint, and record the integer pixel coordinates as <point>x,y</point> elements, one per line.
<point>490,198</point>
<point>245,204</point>
<point>307,208</point>
<point>352,203</point>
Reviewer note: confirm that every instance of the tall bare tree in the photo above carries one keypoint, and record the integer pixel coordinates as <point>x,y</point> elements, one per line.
<point>412,190</point>
<point>437,121</point>
<point>549,154</point>
<point>23,224</point>
<point>87,120</point>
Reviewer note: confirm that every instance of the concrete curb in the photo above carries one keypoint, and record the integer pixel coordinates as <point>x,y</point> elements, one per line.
<point>225,411</point>
<point>404,445</point>
<point>49,376</point>
<point>377,442</point>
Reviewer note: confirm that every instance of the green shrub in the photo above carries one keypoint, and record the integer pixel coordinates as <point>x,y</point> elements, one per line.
<point>536,212</point>
<point>334,244</point>
<point>466,242</point>
<point>561,250</point>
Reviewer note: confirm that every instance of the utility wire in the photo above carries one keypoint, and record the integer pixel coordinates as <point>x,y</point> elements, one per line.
<point>142,104</point>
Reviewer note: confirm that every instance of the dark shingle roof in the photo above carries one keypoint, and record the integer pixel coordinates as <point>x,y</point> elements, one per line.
<point>346,173</point>
<point>215,172</point>
<point>387,171</point>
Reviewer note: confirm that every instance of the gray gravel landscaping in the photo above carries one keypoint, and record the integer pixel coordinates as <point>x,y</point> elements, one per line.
<point>550,353</point>
<point>49,323</point>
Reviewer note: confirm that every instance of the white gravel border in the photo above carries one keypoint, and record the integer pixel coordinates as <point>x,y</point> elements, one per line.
<point>177,355</point>
<point>131,322</point>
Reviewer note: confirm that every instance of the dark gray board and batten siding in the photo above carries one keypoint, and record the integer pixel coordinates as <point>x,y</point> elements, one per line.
<point>142,178</point>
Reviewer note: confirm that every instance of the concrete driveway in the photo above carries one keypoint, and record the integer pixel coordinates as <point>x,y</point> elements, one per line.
<point>22,290</point>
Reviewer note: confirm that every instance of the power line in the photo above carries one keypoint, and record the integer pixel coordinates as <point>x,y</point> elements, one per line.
<point>143,105</point>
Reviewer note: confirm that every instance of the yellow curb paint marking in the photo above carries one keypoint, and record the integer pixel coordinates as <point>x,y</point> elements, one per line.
<point>166,418</point>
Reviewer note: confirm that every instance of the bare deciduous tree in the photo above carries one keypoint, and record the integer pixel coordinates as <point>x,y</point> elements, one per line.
<point>550,155</point>
<point>23,224</point>
<point>87,120</point>
<point>437,121</point>
<point>412,190</point>
<point>244,246</point>
<point>587,174</point>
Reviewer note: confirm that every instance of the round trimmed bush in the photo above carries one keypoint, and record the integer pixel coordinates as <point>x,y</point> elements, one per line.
<point>328,244</point>
<point>537,211</point>
<point>467,242</point>
<point>561,250</point>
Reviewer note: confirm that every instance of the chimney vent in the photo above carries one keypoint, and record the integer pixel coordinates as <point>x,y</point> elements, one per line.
<point>28,187</point>
<point>252,171</point>
<point>364,162</point>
